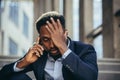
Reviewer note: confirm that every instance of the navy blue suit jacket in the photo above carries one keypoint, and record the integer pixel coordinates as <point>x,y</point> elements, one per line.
<point>80,64</point>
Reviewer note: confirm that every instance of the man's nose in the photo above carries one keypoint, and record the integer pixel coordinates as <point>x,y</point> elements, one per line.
<point>51,44</point>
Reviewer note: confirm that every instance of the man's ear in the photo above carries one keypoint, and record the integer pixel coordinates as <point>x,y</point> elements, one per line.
<point>66,34</point>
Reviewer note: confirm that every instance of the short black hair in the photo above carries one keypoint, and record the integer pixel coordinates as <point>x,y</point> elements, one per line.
<point>46,17</point>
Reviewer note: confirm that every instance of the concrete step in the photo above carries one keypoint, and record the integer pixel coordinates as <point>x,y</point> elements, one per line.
<point>109,75</point>
<point>109,69</point>
<point>7,59</point>
<point>109,66</point>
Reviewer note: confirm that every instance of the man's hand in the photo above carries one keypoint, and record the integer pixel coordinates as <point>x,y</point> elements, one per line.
<point>58,35</point>
<point>32,55</point>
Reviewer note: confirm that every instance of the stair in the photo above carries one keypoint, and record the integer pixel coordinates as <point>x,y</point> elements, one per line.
<point>7,59</point>
<point>109,69</point>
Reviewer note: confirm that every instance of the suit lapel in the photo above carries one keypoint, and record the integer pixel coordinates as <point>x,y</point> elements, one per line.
<point>66,73</point>
<point>41,65</point>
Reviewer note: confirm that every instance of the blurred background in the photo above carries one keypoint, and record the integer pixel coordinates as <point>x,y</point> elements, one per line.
<point>90,21</point>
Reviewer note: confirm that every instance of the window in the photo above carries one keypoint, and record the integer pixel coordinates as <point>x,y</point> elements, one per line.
<point>61,6</point>
<point>98,46</point>
<point>76,19</point>
<point>14,12</point>
<point>13,47</point>
<point>0,13</point>
<point>25,24</point>
<point>2,5</point>
<point>97,21</point>
<point>97,13</point>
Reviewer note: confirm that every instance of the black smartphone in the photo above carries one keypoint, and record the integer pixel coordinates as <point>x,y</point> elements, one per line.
<point>40,42</point>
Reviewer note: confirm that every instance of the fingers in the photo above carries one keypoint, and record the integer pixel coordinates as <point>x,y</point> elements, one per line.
<point>37,40</point>
<point>51,26</point>
<point>53,23</point>
<point>49,29</point>
<point>37,49</point>
<point>59,25</point>
<point>37,53</point>
<point>37,43</point>
<point>54,26</point>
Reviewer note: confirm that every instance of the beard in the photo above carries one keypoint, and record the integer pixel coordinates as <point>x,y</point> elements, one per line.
<point>54,53</point>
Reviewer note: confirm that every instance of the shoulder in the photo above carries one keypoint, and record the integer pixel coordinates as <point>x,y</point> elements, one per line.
<point>80,47</point>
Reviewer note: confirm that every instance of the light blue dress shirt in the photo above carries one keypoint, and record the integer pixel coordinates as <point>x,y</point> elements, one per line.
<point>53,69</point>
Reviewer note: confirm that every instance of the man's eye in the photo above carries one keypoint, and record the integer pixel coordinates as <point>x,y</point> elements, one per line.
<point>45,39</point>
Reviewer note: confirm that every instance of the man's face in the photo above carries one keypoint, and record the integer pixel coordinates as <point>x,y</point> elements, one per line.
<point>47,42</point>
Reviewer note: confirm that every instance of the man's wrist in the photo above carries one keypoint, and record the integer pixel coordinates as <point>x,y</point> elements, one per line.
<point>66,53</point>
<point>22,64</point>
<point>63,49</point>
<point>16,69</point>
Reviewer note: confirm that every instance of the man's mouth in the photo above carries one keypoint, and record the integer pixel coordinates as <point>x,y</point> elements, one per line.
<point>54,50</point>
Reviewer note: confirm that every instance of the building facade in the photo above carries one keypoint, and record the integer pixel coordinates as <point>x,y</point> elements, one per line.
<point>16,28</point>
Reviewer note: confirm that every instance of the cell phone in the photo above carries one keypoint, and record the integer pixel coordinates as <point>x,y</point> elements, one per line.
<point>40,42</point>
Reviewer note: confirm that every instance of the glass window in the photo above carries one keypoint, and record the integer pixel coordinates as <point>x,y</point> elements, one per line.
<point>98,46</point>
<point>0,6</point>
<point>25,24</point>
<point>61,6</point>
<point>18,15</point>
<point>0,13</point>
<point>14,12</point>
<point>97,13</point>
<point>97,21</point>
<point>13,47</point>
<point>76,19</point>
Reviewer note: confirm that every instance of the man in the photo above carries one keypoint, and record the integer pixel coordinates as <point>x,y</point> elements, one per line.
<point>55,56</point>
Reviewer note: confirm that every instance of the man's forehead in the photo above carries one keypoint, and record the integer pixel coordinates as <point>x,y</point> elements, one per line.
<point>44,31</point>
<point>43,28</point>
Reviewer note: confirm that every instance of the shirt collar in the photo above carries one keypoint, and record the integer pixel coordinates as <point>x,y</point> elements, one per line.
<point>68,44</point>
<point>52,60</point>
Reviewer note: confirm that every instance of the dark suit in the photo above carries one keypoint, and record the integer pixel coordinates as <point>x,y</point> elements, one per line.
<point>80,64</point>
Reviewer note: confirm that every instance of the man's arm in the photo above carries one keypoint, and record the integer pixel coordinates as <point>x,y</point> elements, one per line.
<point>25,63</point>
<point>6,70</point>
<point>9,69</point>
<point>83,67</point>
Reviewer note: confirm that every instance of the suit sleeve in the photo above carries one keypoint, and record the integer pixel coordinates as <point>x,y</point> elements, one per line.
<point>8,70</point>
<point>84,65</point>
